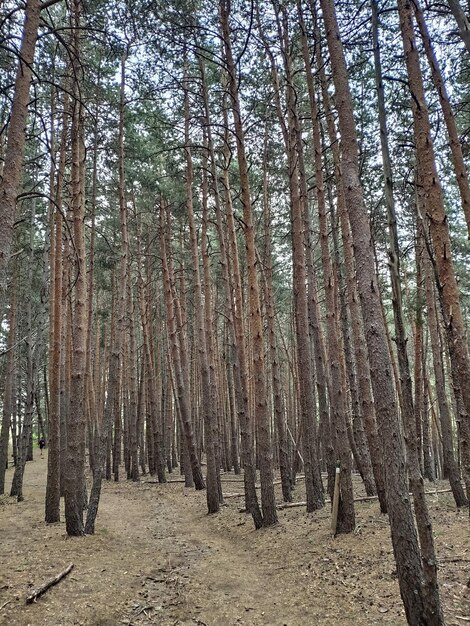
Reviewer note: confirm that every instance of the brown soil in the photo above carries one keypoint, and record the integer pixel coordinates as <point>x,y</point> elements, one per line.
<point>157,558</point>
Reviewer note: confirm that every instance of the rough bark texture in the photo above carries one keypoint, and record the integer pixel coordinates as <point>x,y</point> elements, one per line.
<point>404,538</point>
<point>433,612</point>
<point>13,162</point>
<point>268,500</point>
<point>10,372</point>
<point>460,169</point>
<point>52,504</point>
<point>450,466</point>
<point>462,22</point>
<point>201,339</point>
<point>436,219</point>
<point>74,480</point>
<point>357,324</point>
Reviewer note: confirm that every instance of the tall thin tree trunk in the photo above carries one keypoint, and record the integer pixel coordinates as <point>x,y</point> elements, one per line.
<point>268,500</point>
<point>52,503</point>
<point>404,538</point>
<point>13,161</point>
<point>357,324</point>
<point>201,339</point>
<point>450,466</point>
<point>10,374</point>
<point>461,175</point>
<point>74,482</point>
<point>433,611</point>
<point>346,514</point>
<point>177,347</point>
<point>433,202</point>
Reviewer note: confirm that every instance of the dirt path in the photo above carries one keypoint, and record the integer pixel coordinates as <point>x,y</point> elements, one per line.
<point>158,559</point>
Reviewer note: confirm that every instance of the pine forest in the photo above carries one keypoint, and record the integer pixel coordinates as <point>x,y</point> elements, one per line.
<point>234,312</point>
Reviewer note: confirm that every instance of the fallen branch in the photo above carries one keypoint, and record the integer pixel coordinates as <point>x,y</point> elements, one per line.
<point>4,604</point>
<point>50,583</point>
<point>241,495</point>
<point>293,505</point>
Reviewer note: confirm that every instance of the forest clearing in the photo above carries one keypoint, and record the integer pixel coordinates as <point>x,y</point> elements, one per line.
<point>159,559</point>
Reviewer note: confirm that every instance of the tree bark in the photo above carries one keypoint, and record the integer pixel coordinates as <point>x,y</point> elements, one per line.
<point>201,337</point>
<point>462,22</point>
<point>450,467</point>
<point>268,500</point>
<point>436,219</point>
<point>178,358</point>
<point>52,503</point>
<point>461,175</point>
<point>10,373</point>
<point>346,514</point>
<point>357,323</point>
<point>13,162</point>
<point>404,538</point>
<point>74,480</point>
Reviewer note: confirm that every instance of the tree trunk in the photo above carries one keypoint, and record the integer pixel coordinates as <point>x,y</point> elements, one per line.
<point>346,514</point>
<point>179,360</point>
<point>52,503</point>
<point>460,169</point>
<point>277,391</point>
<point>462,22</point>
<point>357,323</point>
<point>404,538</point>
<point>201,338</point>
<point>433,203</point>
<point>13,161</point>
<point>433,612</point>
<point>10,373</point>
<point>74,482</point>
<point>268,500</point>
<point>450,467</point>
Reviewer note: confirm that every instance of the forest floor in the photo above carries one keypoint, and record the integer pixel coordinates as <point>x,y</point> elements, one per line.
<point>157,558</point>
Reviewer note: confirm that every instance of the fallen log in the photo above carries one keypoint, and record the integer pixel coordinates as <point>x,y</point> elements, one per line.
<point>294,505</point>
<point>50,583</point>
<point>241,495</point>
